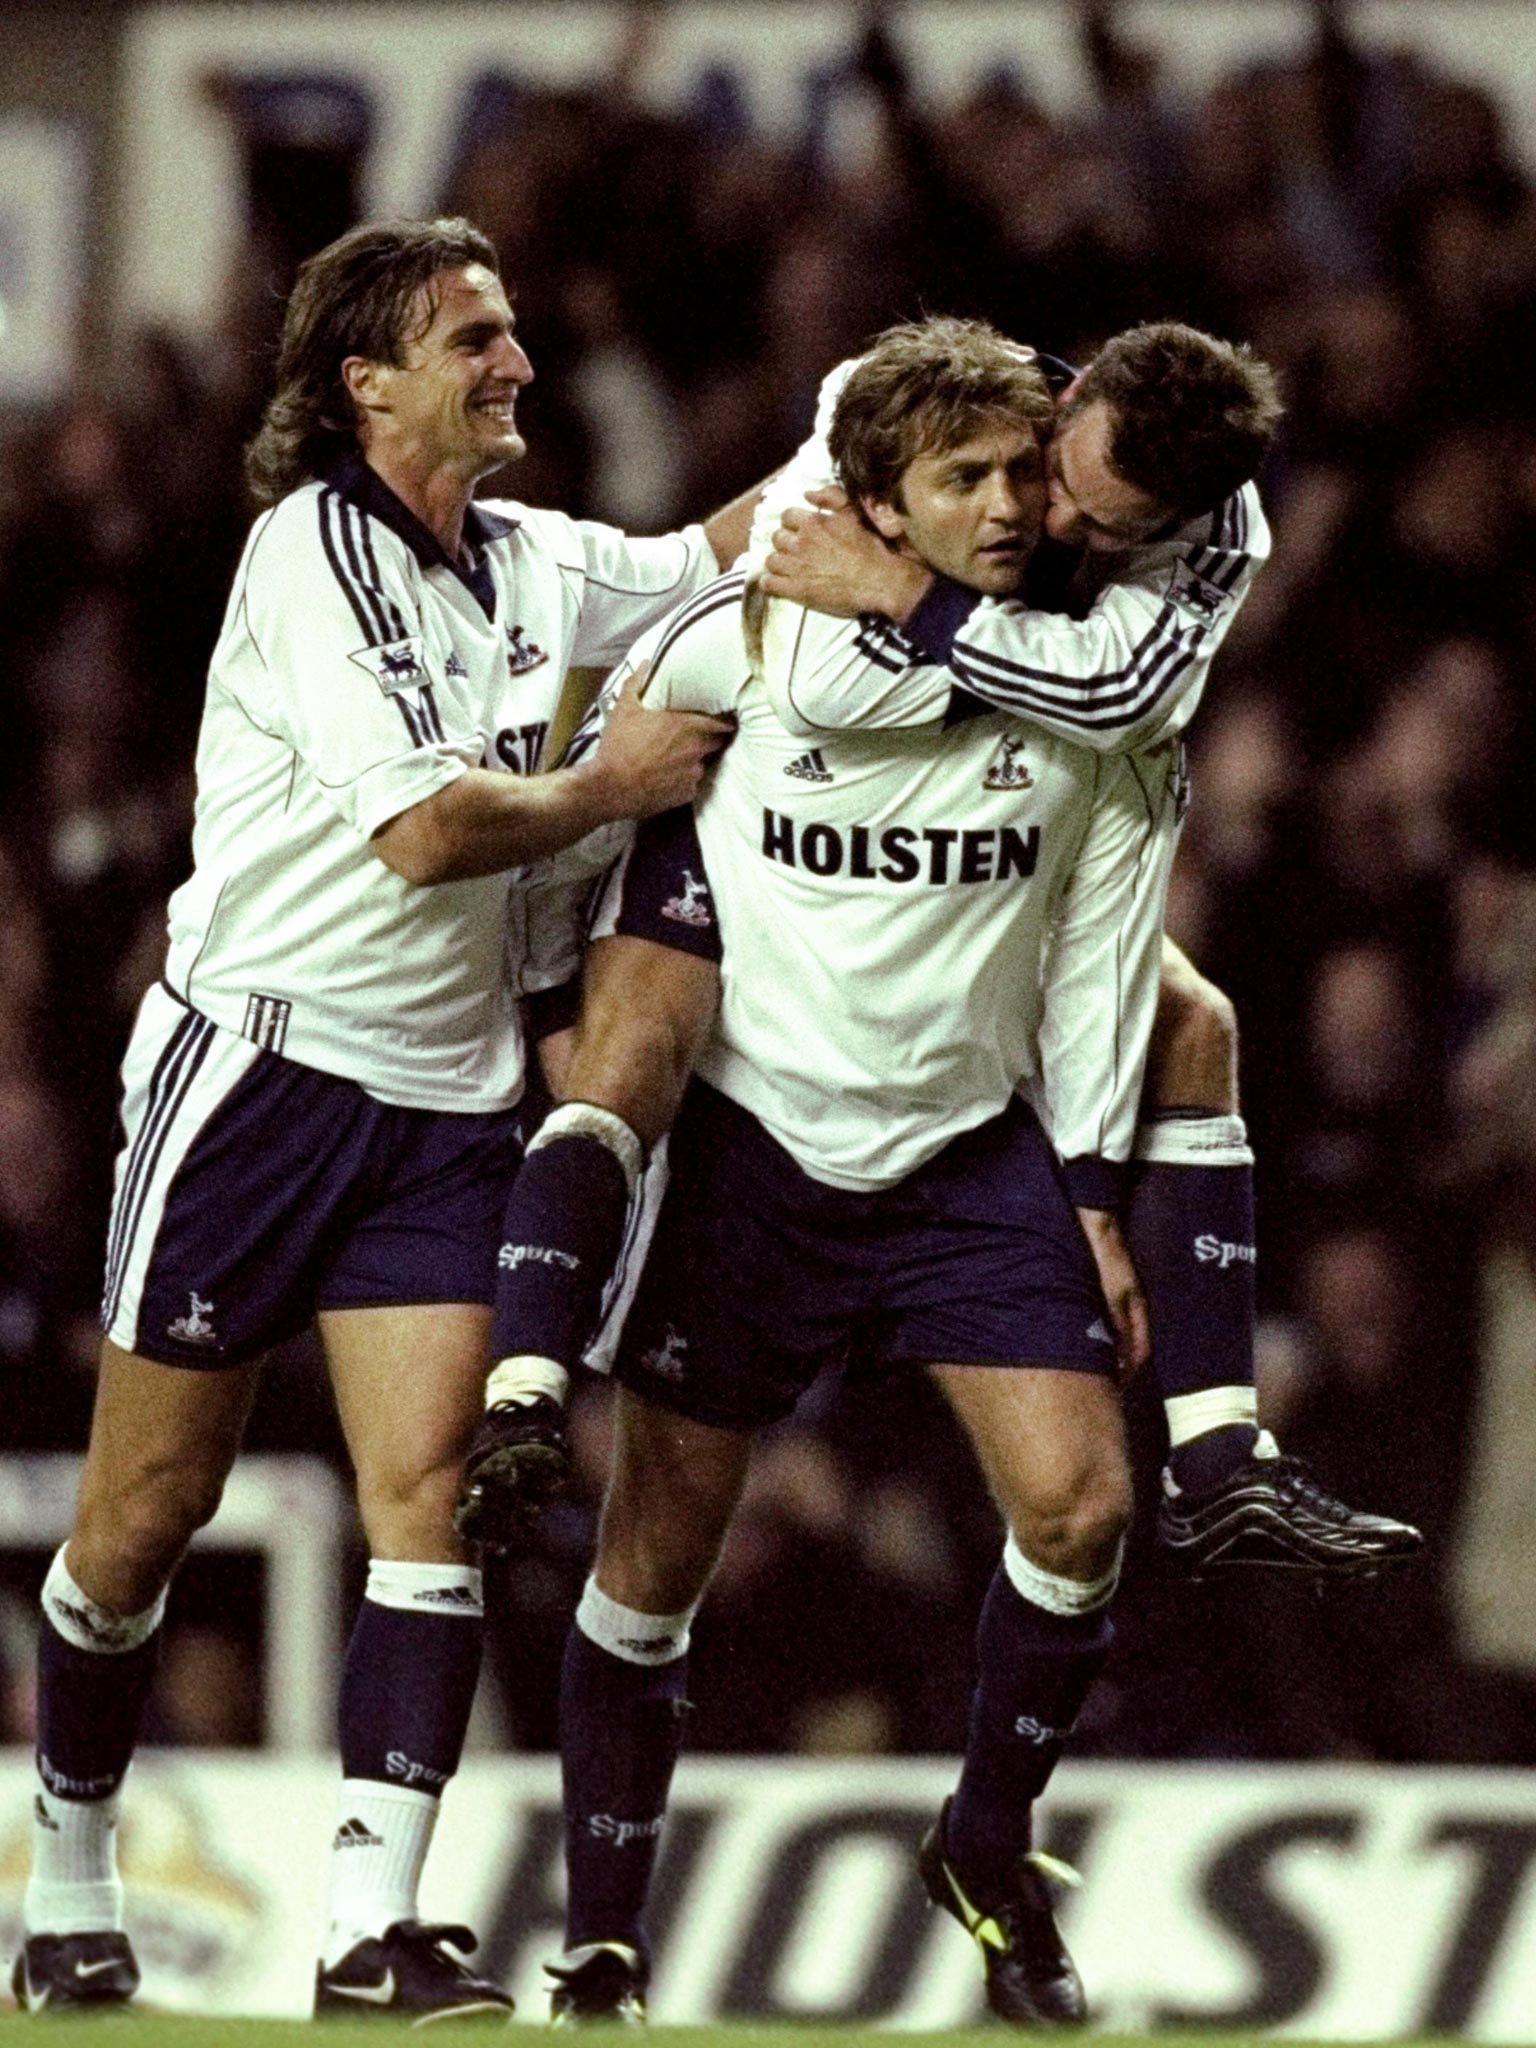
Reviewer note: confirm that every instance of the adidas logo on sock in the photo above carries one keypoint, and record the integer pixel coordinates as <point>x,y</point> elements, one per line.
<point>810,767</point>
<point>356,1834</point>
<point>447,1596</point>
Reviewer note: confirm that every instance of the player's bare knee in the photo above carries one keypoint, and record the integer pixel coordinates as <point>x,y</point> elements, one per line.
<point>656,1562</point>
<point>407,1510</point>
<point>645,1012</point>
<point>130,1537</point>
<point>1075,1531</point>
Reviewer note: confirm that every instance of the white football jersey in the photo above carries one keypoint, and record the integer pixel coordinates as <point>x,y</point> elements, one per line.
<point>1128,674</point>
<point>358,671</point>
<point>915,924</point>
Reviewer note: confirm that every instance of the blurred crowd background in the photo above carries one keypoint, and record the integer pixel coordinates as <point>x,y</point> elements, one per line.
<point>1357,871</point>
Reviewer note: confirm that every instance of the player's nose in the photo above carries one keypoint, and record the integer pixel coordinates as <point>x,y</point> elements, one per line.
<point>1004,501</point>
<point>510,360</point>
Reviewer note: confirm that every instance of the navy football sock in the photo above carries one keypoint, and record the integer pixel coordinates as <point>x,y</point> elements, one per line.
<point>1034,1669</point>
<point>1190,1226</point>
<point>89,1707</point>
<point>620,1729</point>
<point>408,1682</point>
<point>561,1240</point>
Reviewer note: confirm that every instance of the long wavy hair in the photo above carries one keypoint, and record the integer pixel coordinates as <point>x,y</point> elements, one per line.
<point>353,298</point>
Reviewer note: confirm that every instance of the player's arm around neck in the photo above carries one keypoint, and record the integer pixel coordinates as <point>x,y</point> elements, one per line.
<point>484,821</point>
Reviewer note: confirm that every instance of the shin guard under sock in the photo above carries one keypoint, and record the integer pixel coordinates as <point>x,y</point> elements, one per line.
<point>563,1232</point>
<point>621,1711</point>
<point>1190,1226</point>
<point>1034,1670</point>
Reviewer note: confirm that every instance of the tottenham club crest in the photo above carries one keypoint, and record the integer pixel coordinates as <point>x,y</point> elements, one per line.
<point>522,653</point>
<point>666,1359</point>
<point>399,666</point>
<point>1006,770</point>
<point>692,907</point>
<point>195,1326</point>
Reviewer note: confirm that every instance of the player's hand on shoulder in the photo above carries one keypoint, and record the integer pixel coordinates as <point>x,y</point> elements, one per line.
<point>825,558</point>
<point>653,759</point>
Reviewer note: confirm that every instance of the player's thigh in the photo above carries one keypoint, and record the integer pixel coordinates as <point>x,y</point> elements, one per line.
<point>409,1384</point>
<point>163,1438</point>
<point>646,1010</point>
<point>672,1491</point>
<point>1051,1444</point>
<point>651,981</point>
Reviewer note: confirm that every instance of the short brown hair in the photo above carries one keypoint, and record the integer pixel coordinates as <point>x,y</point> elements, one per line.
<point>353,298</point>
<point>1193,416</point>
<point>922,389</point>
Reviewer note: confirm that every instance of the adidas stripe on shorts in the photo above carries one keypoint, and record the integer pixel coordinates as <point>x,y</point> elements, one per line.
<point>253,1192</point>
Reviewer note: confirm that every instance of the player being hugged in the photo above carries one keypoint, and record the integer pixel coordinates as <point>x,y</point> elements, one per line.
<point>914,929</point>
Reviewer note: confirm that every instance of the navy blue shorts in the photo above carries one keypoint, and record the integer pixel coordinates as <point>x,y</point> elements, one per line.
<point>253,1192</point>
<point>759,1276</point>
<point>660,891</point>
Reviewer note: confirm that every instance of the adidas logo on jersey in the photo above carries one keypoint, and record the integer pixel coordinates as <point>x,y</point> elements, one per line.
<point>810,767</point>
<point>355,1834</point>
<point>453,666</point>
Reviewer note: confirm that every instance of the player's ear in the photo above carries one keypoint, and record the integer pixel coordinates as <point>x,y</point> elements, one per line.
<point>364,379</point>
<point>884,518</point>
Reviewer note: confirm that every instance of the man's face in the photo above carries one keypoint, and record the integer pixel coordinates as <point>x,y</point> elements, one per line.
<point>450,401</point>
<point>973,512</point>
<point>1090,506</point>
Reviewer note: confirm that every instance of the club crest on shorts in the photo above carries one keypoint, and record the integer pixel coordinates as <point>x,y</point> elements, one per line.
<point>666,1358</point>
<point>1006,770</point>
<point>195,1327</point>
<point>400,665</point>
<point>693,906</point>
